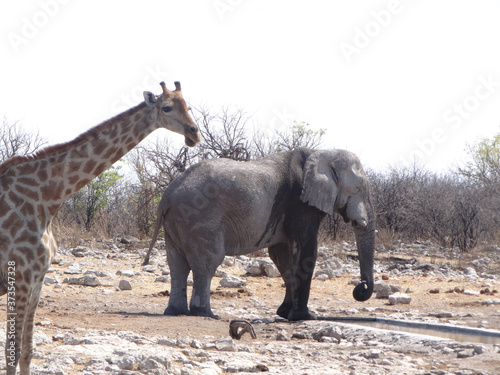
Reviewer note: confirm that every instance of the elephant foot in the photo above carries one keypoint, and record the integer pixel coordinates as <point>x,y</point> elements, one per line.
<point>295,315</point>
<point>198,311</point>
<point>284,310</point>
<point>175,311</point>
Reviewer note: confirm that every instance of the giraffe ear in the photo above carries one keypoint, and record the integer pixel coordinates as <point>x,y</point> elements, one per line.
<point>149,98</point>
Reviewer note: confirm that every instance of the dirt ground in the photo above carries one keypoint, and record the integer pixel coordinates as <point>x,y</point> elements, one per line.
<point>106,307</point>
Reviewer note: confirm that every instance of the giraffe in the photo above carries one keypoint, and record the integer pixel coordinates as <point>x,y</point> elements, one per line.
<point>33,187</point>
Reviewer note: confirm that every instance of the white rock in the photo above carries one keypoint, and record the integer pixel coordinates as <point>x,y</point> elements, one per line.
<point>150,268</point>
<point>50,280</point>
<point>162,279</point>
<point>73,269</point>
<point>80,251</point>
<point>254,268</point>
<point>127,273</point>
<point>271,271</point>
<point>86,280</point>
<point>399,298</point>
<point>382,290</point>
<point>127,362</point>
<point>124,285</point>
<point>232,282</point>
<point>225,345</point>
<point>471,292</point>
<point>470,271</point>
<point>493,301</point>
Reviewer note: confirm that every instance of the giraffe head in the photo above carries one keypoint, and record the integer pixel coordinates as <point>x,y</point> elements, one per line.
<point>171,111</point>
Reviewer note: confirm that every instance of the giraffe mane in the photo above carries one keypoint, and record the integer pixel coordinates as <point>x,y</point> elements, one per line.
<point>92,133</point>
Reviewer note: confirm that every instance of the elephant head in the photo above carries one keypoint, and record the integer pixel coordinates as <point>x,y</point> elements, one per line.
<point>334,181</point>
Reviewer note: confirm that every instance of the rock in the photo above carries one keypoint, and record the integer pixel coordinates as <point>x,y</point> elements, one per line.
<point>127,362</point>
<point>262,267</point>
<point>434,291</point>
<point>80,251</point>
<point>399,298</point>
<point>73,269</point>
<point>232,282</point>
<point>470,271</point>
<point>381,289</point>
<point>225,345</point>
<point>329,331</point>
<point>322,277</point>
<point>372,354</point>
<point>151,364</point>
<point>282,336</point>
<point>395,288</point>
<point>50,280</point>
<point>441,315</point>
<point>86,280</point>
<point>493,301</point>
<point>124,285</point>
<point>128,240</point>
<point>254,268</point>
<point>162,279</point>
<point>271,271</point>
<point>478,349</point>
<point>150,268</point>
<point>127,273</point>
<point>228,262</point>
<point>99,273</point>
<point>471,292</point>
<point>464,354</point>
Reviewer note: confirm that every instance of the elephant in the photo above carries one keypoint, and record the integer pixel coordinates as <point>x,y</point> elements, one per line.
<point>222,207</point>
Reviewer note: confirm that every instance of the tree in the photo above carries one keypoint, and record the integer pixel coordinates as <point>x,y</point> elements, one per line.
<point>223,134</point>
<point>88,203</point>
<point>484,166</point>
<point>300,135</point>
<point>14,140</point>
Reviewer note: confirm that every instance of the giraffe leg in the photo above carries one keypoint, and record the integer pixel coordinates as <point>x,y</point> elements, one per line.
<point>27,340</point>
<point>15,327</point>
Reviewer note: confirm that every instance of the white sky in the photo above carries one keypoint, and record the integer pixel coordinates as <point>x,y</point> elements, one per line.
<point>387,79</point>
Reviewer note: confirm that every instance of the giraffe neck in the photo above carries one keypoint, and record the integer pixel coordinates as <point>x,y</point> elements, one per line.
<point>57,172</point>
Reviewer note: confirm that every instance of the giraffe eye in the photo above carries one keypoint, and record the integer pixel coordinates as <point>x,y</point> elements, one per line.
<point>167,108</point>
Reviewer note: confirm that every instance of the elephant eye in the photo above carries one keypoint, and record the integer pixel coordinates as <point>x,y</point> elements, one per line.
<point>167,108</point>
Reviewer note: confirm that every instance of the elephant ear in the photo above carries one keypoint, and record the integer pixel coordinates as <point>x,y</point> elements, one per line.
<point>319,184</point>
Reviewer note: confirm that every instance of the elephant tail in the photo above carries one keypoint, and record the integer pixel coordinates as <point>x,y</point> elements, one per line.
<point>159,222</point>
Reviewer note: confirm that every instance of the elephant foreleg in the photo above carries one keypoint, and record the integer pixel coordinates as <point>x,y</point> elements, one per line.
<point>296,265</point>
<point>281,255</point>
<point>305,261</point>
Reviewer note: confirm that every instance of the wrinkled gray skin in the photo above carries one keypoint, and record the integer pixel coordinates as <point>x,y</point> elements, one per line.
<point>224,207</point>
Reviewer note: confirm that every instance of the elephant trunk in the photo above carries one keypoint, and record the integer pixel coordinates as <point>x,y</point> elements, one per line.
<point>365,240</point>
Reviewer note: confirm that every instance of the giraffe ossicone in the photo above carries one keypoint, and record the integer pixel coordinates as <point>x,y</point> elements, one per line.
<point>33,187</point>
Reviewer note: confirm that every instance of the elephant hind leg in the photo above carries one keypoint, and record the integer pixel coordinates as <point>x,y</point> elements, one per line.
<point>202,277</point>
<point>179,271</point>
